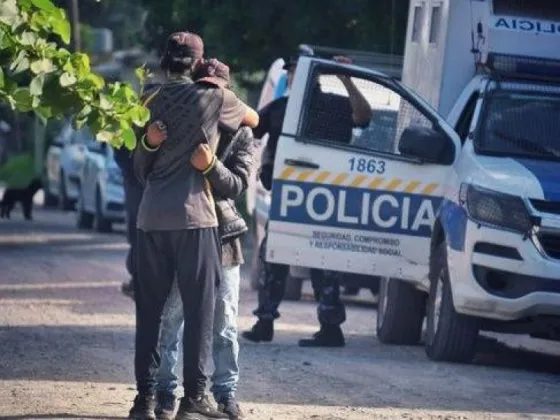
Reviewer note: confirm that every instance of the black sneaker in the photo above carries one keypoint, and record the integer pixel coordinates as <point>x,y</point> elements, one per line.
<point>263,330</point>
<point>143,408</point>
<point>230,407</point>
<point>327,336</point>
<point>166,406</point>
<point>198,409</point>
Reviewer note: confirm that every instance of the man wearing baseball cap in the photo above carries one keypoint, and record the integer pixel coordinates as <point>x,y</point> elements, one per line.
<point>177,223</point>
<point>228,177</point>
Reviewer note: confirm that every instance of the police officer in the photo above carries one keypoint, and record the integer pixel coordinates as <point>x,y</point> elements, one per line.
<point>272,279</point>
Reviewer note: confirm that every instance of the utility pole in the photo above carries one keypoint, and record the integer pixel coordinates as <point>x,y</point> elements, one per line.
<point>75,22</point>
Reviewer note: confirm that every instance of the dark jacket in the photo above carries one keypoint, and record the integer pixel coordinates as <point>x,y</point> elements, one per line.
<point>229,179</point>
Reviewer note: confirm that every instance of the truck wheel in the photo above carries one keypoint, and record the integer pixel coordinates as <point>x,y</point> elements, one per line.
<point>400,312</point>
<point>292,291</point>
<point>450,337</point>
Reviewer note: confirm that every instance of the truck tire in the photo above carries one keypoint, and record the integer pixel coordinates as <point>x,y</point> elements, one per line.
<point>400,312</point>
<point>450,337</point>
<point>292,290</point>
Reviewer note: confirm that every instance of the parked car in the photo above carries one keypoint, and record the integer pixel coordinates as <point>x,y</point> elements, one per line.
<point>63,164</point>
<point>102,200</point>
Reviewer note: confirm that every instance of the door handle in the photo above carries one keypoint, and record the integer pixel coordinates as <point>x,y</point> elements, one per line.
<point>301,163</point>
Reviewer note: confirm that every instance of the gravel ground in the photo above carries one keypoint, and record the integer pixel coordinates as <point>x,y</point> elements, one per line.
<point>66,348</point>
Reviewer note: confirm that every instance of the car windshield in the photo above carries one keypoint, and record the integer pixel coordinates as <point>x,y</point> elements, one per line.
<point>521,124</point>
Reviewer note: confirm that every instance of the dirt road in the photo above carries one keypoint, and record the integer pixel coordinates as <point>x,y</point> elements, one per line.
<point>66,348</point>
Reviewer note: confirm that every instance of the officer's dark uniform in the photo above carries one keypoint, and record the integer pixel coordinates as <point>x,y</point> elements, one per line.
<point>272,279</point>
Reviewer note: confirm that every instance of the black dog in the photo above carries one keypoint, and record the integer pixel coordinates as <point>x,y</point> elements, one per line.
<point>23,195</point>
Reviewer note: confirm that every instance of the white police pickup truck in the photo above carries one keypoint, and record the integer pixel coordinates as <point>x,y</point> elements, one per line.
<point>460,215</point>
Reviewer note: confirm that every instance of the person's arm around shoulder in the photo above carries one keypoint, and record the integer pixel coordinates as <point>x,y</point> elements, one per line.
<point>231,177</point>
<point>144,154</point>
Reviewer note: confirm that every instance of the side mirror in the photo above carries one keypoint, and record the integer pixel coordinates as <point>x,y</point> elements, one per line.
<point>427,145</point>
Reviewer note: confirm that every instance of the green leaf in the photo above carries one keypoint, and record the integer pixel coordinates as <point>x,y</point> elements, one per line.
<point>42,66</point>
<point>67,79</point>
<point>9,12</point>
<point>39,21</point>
<point>24,100</point>
<point>25,4</point>
<point>46,5</point>
<point>11,102</point>
<point>105,103</point>
<point>86,110</point>
<point>96,121</point>
<point>140,115</point>
<point>35,102</point>
<point>43,113</point>
<point>62,28</point>
<point>20,64</point>
<point>104,136</point>
<point>81,64</point>
<point>36,85</point>
<point>129,138</point>
<point>140,73</point>
<point>28,38</point>
<point>1,78</point>
<point>96,80</point>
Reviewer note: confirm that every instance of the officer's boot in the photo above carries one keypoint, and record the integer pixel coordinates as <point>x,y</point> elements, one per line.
<point>263,330</point>
<point>327,336</point>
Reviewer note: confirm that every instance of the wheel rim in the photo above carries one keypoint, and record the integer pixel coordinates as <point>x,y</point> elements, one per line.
<point>383,300</point>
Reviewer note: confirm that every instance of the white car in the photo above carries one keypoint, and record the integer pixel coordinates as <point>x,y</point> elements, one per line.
<point>102,199</point>
<point>63,166</point>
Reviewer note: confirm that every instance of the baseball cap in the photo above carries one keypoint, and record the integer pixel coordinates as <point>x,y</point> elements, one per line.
<point>214,71</point>
<point>180,45</point>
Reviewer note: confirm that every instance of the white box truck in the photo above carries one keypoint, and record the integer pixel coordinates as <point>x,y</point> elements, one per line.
<point>461,214</point>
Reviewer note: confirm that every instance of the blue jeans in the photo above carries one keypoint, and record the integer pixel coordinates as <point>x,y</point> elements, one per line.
<point>225,346</point>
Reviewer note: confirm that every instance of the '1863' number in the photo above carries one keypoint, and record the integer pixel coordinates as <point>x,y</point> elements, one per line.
<point>370,166</point>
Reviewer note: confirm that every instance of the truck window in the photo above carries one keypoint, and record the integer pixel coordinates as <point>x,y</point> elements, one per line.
<point>435,24</point>
<point>465,120</point>
<point>329,118</point>
<point>417,23</point>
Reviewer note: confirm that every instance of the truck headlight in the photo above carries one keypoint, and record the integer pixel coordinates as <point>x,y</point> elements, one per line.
<point>495,209</point>
<point>114,176</point>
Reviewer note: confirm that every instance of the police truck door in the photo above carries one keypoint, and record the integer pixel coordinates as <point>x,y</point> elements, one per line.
<point>344,196</point>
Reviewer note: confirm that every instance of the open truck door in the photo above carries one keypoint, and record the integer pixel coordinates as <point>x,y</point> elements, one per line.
<point>359,198</point>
